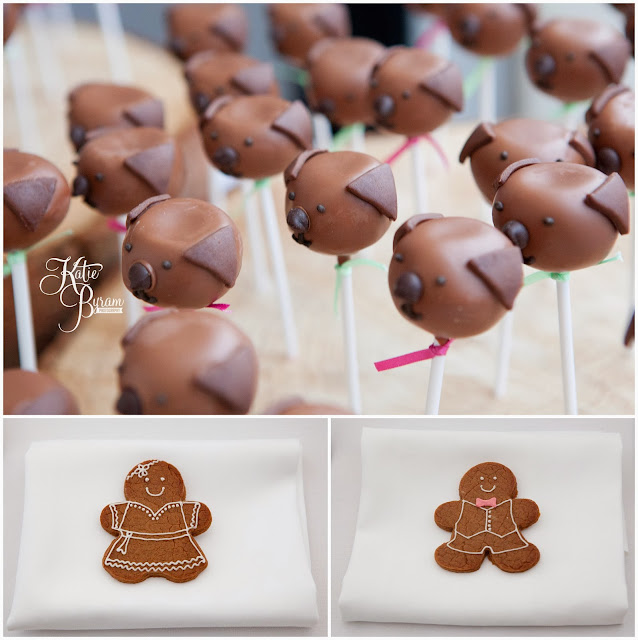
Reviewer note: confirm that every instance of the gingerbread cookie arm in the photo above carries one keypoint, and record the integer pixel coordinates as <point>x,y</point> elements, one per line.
<point>106,520</point>
<point>526,512</point>
<point>204,520</point>
<point>447,514</point>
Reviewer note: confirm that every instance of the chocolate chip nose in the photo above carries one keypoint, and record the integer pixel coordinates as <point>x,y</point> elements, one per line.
<point>139,277</point>
<point>129,403</point>
<point>78,136</point>
<point>384,106</point>
<point>607,160</point>
<point>545,65</point>
<point>201,102</point>
<point>80,186</point>
<point>226,158</point>
<point>409,287</point>
<point>516,232</point>
<point>298,220</point>
<point>326,106</point>
<point>470,26</point>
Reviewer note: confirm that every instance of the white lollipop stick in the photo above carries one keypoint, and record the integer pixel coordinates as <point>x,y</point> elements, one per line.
<point>23,313</point>
<point>504,354</point>
<point>133,307</point>
<point>62,14</point>
<point>350,341</point>
<point>419,178</point>
<point>253,230</point>
<point>279,267</point>
<point>216,188</point>
<point>358,139</point>
<point>487,95</point>
<point>567,347</point>
<point>115,41</point>
<point>435,384</point>
<point>322,130</point>
<point>48,65</point>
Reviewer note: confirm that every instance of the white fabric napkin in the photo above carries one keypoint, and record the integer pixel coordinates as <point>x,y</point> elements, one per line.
<point>574,477</point>
<point>257,546</point>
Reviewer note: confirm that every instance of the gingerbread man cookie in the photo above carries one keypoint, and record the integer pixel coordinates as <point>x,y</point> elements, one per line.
<point>155,527</point>
<point>487,521</point>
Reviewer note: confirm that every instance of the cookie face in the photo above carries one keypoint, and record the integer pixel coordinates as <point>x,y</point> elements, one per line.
<point>155,527</point>
<point>180,252</point>
<point>186,362</point>
<point>453,277</point>
<point>255,136</point>
<point>489,29</point>
<point>119,169</point>
<point>339,79</point>
<point>206,27</point>
<point>211,74</point>
<point>36,393</point>
<point>339,202</point>
<point>95,106</point>
<point>562,216</point>
<point>611,120</point>
<point>487,521</point>
<point>36,199</point>
<point>576,59</point>
<point>414,92</point>
<point>295,28</point>
<point>493,147</point>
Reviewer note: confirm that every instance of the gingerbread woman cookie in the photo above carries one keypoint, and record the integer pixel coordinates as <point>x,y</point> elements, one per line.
<point>487,520</point>
<point>155,527</point>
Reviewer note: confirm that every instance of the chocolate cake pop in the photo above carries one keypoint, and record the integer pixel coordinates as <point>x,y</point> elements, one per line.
<point>206,27</point>
<point>103,106</point>
<point>339,202</point>
<point>612,121</point>
<point>186,362</point>
<point>339,78</point>
<point>36,394</point>
<point>575,59</point>
<point>562,216</point>
<point>36,199</point>
<point>255,136</point>
<point>119,169</point>
<point>297,27</point>
<point>493,147</point>
<point>180,252</point>
<point>490,29</point>
<point>453,277</point>
<point>210,75</point>
<point>414,91</point>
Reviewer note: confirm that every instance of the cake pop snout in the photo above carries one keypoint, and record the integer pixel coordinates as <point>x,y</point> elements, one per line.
<point>384,106</point>
<point>409,288</point>
<point>226,158</point>
<point>129,402</point>
<point>517,232</point>
<point>142,278</point>
<point>299,222</point>
<point>545,66</point>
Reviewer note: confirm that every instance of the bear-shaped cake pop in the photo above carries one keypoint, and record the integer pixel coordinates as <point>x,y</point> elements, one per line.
<point>119,169</point>
<point>186,362</point>
<point>37,394</point>
<point>339,202</point>
<point>255,136</point>
<point>493,147</point>
<point>612,125</point>
<point>36,198</point>
<point>489,29</point>
<point>453,277</point>
<point>562,216</point>
<point>100,106</point>
<point>487,521</point>
<point>155,527</point>
<point>575,59</point>
<point>210,75</point>
<point>180,252</point>
<point>414,91</point>
<point>206,27</point>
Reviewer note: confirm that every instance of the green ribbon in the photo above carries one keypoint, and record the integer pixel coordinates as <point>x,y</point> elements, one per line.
<point>20,255</point>
<point>561,276</point>
<point>566,108</point>
<point>346,268</point>
<point>344,135</point>
<point>473,81</point>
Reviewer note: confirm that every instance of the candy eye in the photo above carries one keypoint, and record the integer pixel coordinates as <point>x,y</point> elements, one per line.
<point>146,479</point>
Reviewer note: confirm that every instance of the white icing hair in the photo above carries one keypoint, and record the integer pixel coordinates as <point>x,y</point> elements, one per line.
<point>142,469</point>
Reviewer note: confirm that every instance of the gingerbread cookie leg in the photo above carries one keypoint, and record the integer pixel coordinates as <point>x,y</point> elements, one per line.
<point>516,561</point>
<point>457,561</point>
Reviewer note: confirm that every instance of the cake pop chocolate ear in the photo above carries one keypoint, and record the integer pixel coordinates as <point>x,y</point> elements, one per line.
<point>317,49</point>
<point>446,85</point>
<point>330,21</point>
<point>214,107</point>
<point>530,12</point>
<point>229,380</point>
<point>293,169</point>
<point>132,333</point>
<point>295,123</point>
<point>254,80</point>
<point>376,187</point>
<point>482,135</point>
<point>602,99</point>
<point>134,214</point>
<point>612,201</point>
<point>512,168</point>
<point>146,113</point>
<point>230,28</point>
<point>612,59</point>
<point>154,166</point>
<point>410,224</point>
<point>502,273</point>
<point>579,142</point>
<point>217,254</point>
<point>29,199</point>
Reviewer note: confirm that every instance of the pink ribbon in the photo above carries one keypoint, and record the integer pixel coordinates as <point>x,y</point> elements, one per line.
<point>115,225</point>
<point>430,34</point>
<point>213,305</point>
<point>433,351</point>
<point>411,142</point>
<point>486,503</point>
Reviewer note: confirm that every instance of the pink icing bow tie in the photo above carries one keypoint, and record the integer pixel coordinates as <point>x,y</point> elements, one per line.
<point>486,503</point>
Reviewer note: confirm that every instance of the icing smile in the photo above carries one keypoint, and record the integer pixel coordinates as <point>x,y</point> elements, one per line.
<point>485,490</point>
<point>150,493</point>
